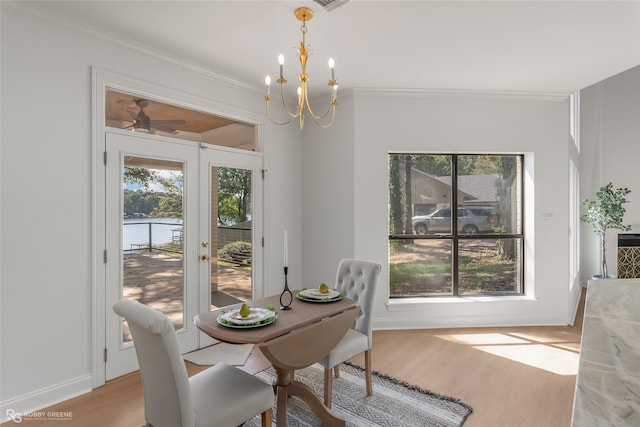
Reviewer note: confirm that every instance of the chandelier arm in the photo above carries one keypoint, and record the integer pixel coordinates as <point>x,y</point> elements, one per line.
<point>284,104</point>
<point>333,117</point>
<point>332,106</point>
<point>267,99</point>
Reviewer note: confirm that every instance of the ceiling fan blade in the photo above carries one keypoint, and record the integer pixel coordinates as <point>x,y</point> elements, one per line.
<point>167,122</point>
<point>163,125</point>
<point>164,129</point>
<point>133,114</point>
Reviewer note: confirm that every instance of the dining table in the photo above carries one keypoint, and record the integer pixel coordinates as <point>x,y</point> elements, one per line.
<point>296,339</point>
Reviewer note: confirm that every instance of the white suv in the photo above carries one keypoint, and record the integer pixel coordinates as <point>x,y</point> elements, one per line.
<point>471,220</point>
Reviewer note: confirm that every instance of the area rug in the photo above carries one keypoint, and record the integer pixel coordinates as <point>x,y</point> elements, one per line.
<point>232,354</point>
<point>394,402</point>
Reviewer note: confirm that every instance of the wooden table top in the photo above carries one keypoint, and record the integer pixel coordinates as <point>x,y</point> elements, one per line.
<point>302,313</point>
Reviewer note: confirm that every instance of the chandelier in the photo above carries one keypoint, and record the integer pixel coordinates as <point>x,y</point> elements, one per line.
<point>303,14</point>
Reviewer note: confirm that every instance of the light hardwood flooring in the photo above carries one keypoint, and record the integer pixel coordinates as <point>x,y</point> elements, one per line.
<point>512,377</point>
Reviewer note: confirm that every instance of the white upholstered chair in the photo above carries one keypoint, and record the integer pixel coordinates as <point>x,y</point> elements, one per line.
<point>220,396</point>
<point>357,280</point>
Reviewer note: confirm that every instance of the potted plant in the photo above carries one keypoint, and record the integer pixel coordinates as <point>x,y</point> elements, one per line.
<point>606,212</point>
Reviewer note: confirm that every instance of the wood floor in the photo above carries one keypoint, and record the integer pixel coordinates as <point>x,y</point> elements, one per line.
<point>512,377</point>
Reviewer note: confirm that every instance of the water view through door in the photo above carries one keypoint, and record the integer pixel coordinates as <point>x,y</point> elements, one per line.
<point>153,236</point>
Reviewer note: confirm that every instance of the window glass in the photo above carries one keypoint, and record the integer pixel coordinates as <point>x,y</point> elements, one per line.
<point>482,195</point>
<point>142,113</point>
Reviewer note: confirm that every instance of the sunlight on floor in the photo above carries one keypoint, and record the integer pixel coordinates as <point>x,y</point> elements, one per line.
<point>558,354</point>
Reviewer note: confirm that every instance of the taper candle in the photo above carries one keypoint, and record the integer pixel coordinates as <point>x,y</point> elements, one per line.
<point>286,250</point>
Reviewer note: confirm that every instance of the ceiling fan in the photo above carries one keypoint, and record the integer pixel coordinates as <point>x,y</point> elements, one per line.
<point>143,123</point>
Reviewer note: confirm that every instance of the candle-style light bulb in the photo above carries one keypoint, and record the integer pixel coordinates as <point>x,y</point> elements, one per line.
<point>281,62</point>
<point>332,64</point>
<point>267,80</point>
<point>299,94</point>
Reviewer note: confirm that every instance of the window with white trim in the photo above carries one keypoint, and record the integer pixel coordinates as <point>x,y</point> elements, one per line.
<point>483,254</point>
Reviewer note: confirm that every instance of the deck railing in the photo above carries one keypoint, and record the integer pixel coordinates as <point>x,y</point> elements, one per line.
<point>167,237</point>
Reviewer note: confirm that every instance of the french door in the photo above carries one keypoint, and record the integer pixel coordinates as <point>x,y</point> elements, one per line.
<point>231,228</point>
<point>181,223</point>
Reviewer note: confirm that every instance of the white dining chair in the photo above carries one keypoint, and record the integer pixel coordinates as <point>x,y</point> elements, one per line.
<point>220,396</point>
<point>356,279</point>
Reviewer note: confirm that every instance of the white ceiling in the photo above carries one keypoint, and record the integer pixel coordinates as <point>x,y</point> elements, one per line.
<point>522,46</point>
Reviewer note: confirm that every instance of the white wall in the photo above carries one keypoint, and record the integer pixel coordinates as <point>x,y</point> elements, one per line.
<point>610,152</point>
<point>328,211</point>
<point>430,122</point>
<point>46,186</point>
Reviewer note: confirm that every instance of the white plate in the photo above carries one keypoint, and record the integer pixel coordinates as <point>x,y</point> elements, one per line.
<point>257,318</point>
<point>253,314</point>
<point>314,295</point>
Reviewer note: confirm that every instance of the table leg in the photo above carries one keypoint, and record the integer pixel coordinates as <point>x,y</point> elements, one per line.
<point>283,379</point>
<point>303,391</point>
<point>281,406</point>
<point>288,386</point>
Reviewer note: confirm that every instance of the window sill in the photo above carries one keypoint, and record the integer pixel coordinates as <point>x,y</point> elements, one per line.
<point>409,304</point>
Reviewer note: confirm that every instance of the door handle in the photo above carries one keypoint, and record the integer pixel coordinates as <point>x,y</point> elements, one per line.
<point>205,258</point>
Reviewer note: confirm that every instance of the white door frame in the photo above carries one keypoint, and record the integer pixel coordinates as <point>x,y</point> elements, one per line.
<point>101,79</point>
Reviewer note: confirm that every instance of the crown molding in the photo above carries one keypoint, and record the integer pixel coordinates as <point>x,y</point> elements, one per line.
<point>459,93</point>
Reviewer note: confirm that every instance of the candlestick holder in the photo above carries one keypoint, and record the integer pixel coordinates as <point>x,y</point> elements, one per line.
<point>286,294</point>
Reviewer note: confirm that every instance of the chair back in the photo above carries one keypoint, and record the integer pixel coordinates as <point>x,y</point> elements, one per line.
<point>167,400</point>
<point>357,280</point>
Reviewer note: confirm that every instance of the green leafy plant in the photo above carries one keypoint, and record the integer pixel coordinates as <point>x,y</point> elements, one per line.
<point>604,213</point>
<point>238,252</point>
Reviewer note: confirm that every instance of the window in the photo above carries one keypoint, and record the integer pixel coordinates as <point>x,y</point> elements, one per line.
<point>130,111</point>
<point>483,253</point>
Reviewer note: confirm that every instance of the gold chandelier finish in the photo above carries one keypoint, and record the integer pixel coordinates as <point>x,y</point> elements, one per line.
<point>303,14</point>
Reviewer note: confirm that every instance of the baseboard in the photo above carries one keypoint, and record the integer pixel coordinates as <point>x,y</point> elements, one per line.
<point>574,302</point>
<point>468,322</point>
<point>29,404</point>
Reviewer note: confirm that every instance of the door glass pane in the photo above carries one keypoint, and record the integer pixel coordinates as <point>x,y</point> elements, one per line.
<point>231,236</point>
<point>152,236</point>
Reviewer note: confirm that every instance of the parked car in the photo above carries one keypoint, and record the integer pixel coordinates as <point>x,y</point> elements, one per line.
<point>471,220</point>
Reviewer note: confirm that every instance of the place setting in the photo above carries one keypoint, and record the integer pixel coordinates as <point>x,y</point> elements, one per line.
<point>320,295</point>
<point>246,317</point>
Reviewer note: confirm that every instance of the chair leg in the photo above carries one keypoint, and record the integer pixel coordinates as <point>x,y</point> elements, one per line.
<point>336,371</point>
<point>367,371</point>
<point>328,385</point>
<point>266,417</point>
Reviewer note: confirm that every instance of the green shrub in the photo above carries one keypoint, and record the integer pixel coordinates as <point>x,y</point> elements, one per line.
<point>237,252</point>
